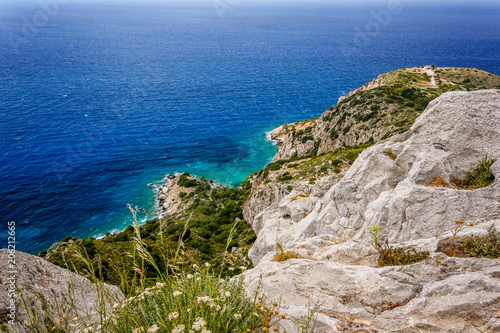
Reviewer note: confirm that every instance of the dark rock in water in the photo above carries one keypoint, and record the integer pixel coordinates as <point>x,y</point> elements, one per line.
<point>170,176</point>
<point>151,185</point>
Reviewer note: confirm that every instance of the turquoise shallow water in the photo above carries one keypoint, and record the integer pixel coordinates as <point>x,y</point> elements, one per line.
<point>103,100</point>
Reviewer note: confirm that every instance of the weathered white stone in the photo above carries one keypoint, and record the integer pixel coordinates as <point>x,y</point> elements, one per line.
<point>41,282</point>
<point>440,294</point>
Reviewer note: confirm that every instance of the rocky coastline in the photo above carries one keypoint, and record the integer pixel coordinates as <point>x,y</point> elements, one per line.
<point>169,195</point>
<point>350,175</point>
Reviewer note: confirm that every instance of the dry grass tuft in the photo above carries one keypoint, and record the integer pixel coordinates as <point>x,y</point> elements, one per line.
<point>283,254</point>
<point>303,195</point>
<point>438,181</point>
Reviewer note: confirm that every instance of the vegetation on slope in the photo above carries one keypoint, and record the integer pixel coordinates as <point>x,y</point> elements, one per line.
<point>200,232</point>
<point>310,167</point>
<point>479,176</point>
<point>384,107</point>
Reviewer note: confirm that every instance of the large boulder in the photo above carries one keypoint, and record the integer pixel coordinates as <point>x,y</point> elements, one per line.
<point>51,294</point>
<point>391,185</point>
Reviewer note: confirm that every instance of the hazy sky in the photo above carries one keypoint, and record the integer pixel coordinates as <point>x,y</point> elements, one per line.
<point>242,2</point>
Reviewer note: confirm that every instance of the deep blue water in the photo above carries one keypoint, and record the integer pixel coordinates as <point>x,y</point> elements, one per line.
<point>98,101</point>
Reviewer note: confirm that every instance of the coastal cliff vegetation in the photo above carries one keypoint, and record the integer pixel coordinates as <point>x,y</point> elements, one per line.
<point>211,223</point>
<point>175,270</point>
<point>378,110</point>
<point>209,216</point>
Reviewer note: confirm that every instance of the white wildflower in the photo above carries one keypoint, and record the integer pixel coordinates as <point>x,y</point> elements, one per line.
<point>227,294</point>
<point>160,285</point>
<point>204,330</point>
<point>189,276</point>
<point>177,293</point>
<point>231,269</point>
<point>243,268</point>
<point>173,315</point>
<point>237,316</point>
<point>153,329</point>
<point>198,324</point>
<point>207,264</point>
<point>195,266</point>
<point>179,329</point>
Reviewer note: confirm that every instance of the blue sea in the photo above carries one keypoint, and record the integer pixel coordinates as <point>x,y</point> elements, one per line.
<point>100,101</point>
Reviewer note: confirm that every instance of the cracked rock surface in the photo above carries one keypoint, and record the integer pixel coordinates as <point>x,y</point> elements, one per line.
<point>49,289</point>
<point>388,186</point>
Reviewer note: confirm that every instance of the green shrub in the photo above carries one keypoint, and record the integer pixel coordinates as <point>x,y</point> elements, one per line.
<point>346,129</point>
<point>285,177</point>
<point>487,246</point>
<point>184,181</point>
<point>324,168</point>
<point>89,247</point>
<point>274,166</point>
<point>390,256</point>
<point>479,176</point>
<point>67,239</point>
<point>334,134</point>
<point>307,138</point>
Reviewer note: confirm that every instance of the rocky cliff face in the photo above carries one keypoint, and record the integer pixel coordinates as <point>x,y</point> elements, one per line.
<point>393,185</point>
<point>381,108</point>
<point>384,107</point>
<point>52,295</point>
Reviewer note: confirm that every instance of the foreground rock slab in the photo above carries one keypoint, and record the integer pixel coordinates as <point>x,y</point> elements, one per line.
<point>441,294</point>
<point>47,292</point>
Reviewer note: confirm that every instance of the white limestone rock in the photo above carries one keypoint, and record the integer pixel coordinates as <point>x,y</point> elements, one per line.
<point>440,294</point>
<point>40,281</point>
